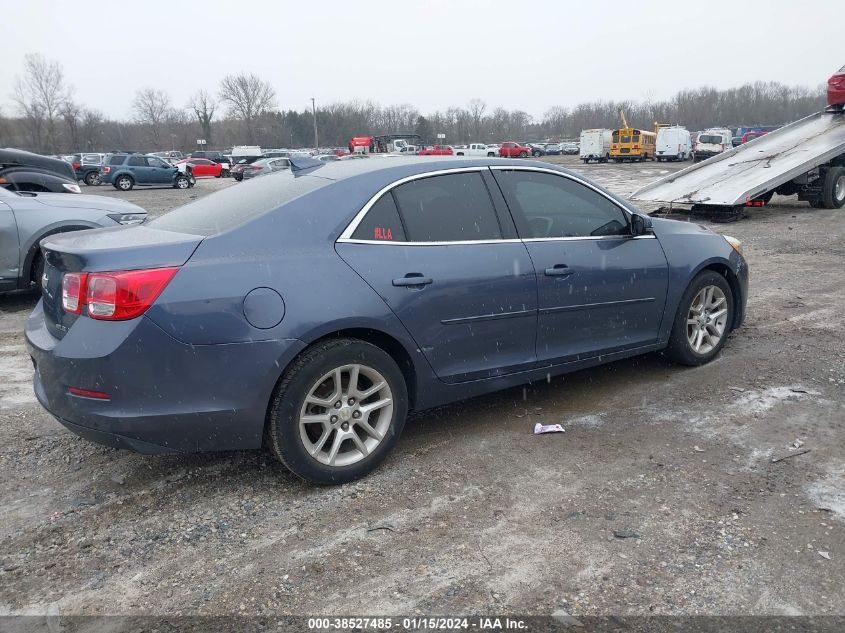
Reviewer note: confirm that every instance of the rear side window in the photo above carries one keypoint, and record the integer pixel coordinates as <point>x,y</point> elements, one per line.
<point>137,161</point>
<point>117,160</point>
<point>549,206</point>
<point>448,208</point>
<point>382,222</point>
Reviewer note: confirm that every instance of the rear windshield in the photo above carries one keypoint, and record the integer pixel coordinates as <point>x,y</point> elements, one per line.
<point>710,138</point>
<point>236,205</point>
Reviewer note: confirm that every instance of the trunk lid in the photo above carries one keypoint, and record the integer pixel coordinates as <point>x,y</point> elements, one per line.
<point>101,250</point>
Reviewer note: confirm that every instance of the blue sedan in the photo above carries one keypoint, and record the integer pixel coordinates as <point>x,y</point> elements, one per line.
<point>312,309</point>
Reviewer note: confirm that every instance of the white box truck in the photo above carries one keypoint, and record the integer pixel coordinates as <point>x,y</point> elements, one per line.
<point>673,143</point>
<point>595,145</point>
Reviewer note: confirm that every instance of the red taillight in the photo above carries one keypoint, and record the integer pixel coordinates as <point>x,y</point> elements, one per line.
<point>73,292</point>
<point>76,165</point>
<point>125,295</point>
<point>88,393</point>
<point>106,169</point>
<point>114,296</point>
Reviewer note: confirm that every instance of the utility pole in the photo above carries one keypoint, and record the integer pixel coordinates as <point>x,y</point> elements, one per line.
<point>314,112</point>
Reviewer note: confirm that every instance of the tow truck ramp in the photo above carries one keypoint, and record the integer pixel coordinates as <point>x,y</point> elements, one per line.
<point>755,168</point>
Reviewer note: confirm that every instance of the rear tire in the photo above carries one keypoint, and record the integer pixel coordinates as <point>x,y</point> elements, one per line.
<point>92,179</point>
<point>308,436</point>
<point>703,320</point>
<point>833,190</point>
<point>124,183</point>
<point>37,270</point>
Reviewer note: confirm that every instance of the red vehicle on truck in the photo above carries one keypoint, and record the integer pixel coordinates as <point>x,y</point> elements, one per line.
<point>512,149</point>
<point>836,89</point>
<point>437,150</point>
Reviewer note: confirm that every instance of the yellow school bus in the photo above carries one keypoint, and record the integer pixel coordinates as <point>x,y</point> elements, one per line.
<point>628,143</point>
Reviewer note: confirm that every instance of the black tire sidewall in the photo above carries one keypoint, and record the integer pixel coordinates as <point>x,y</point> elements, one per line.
<point>283,429</point>
<point>679,349</point>
<point>121,179</point>
<point>832,176</point>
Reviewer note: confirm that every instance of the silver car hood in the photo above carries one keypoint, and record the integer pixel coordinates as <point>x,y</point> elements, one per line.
<point>82,201</point>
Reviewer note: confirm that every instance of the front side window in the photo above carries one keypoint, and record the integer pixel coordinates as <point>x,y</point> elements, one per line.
<point>447,208</point>
<point>548,206</point>
<point>155,162</point>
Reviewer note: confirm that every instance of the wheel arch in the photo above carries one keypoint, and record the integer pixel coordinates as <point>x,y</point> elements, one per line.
<point>736,292</point>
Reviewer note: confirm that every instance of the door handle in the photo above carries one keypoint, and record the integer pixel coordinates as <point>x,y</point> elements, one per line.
<point>559,270</point>
<point>412,279</point>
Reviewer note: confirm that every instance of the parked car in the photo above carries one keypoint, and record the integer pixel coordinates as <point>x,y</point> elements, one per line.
<point>265,166</point>
<point>551,149</point>
<point>27,218</point>
<point>538,149</point>
<point>203,168</point>
<point>750,136</point>
<point>836,89</point>
<point>437,150</point>
<point>125,171</point>
<point>512,149</point>
<point>476,149</point>
<point>570,149</point>
<point>25,171</point>
<point>242,163</point>
<point>169,155</point>
<point>711,142</point>
<point>212,155</point>
<point>222,293</point>
<point>673,143</point>
<point>595,145</point>
<point>86,167</point>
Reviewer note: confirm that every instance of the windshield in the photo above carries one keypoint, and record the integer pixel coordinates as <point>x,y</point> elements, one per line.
<point>234,206</point>
<point>710,138</point>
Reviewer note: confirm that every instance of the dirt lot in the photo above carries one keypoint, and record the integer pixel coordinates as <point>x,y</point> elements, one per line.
<point>661,497</point>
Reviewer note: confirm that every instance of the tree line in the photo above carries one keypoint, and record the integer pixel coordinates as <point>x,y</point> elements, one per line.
<point>244,110</point>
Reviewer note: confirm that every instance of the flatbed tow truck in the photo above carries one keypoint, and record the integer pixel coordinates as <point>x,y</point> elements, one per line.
<point>806,158</point>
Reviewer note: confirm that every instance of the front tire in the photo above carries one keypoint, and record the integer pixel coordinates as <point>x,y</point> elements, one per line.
<point>181,182</point>
<point>703,320</point>
<point>523,155</point>
<point>338,411</point>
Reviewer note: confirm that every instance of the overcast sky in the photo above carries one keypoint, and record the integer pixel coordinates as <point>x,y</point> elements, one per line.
<point>520,54</point>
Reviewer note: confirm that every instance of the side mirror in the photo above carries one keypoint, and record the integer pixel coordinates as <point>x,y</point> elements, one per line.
<point>640,224</point>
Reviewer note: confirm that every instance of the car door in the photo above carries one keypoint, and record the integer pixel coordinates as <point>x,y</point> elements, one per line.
<point>159,172</point>
<point>450,267</point>
<point>139,168</point>
<point>600,289</point>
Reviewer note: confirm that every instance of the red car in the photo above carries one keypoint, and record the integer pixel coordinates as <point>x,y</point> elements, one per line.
<point>750,136</point>
<point>438,150</point>
<point>203,167</point>
<point>511,149</point>
<point>836,89</point>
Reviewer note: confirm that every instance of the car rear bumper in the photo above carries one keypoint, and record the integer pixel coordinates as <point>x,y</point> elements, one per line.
<point>164,396</point>
<point>835,97</point>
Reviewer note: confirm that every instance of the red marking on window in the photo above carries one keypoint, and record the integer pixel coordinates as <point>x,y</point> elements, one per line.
<point>382,233</point>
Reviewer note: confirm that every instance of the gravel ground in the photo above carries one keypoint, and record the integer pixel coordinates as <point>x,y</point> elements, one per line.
<point>662,497</point>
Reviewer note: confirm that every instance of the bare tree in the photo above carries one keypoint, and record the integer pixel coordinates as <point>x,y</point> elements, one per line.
<point>152,109</point>
<point>248,97</point>
<point>40,93</point>
<point>476,112</point>
<point>91,129</point>
<point>203,105</point>
<point>71,113</point>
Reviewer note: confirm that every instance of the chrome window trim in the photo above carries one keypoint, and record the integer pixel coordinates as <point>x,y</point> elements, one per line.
<point>456,243</point>
<point>346,236</point>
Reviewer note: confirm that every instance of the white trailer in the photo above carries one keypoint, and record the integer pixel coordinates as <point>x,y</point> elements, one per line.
<point>595,145</point>
<point>673,143</point>
<point>806,158</point>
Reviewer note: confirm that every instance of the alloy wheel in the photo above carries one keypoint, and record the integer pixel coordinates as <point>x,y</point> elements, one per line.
<point>346,415</point>
<point>707,319</point>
